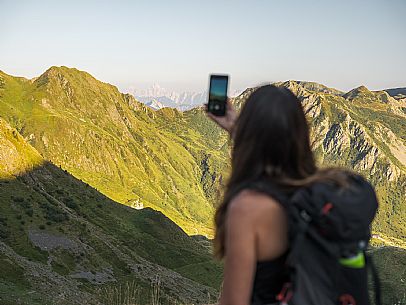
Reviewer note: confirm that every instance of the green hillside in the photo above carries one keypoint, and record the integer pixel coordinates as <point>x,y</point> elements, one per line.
<point>391,265</point>
<point>59,236</point>
<point>16,156</point>
<point>125,150</point>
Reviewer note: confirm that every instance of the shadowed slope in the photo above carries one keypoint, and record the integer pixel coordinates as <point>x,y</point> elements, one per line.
<point>59,236</point>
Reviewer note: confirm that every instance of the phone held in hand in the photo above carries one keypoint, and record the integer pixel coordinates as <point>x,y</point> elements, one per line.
<point>218,94</point>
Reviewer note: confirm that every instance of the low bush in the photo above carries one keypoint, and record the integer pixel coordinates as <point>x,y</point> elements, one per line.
<point>17,199</point>
<point>71,203</point>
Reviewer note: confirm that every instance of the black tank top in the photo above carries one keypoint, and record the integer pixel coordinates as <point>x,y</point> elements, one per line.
<point>270,275</point>
<point>269,278</point>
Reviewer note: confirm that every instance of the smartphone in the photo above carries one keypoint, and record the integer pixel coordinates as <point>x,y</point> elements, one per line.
<point>218,94</point>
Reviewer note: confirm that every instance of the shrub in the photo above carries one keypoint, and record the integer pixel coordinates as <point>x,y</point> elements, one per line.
<point>56,215</point>
<point>29,212</point>
<point>4,231</point>
<point>71,203</point>
<point>53,213</point>
<point>17,199</point>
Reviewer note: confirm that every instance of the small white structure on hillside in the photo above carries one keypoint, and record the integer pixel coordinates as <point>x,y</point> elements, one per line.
<point>137,204</point>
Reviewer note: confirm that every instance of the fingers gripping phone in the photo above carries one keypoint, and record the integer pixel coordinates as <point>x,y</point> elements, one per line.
<point>218,94</point>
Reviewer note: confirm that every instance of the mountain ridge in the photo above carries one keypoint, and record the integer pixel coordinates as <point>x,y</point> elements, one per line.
<point>120,123</point>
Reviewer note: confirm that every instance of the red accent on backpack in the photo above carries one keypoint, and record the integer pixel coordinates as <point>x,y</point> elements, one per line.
<point>326,208</point>
<point>286,293</point>
<point>347,299</point>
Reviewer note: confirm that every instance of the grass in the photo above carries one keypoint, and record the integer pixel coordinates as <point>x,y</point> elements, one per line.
<point>14,285</point>
<point>128,293</point>
<point>391,264</point>
<point>121,294</point>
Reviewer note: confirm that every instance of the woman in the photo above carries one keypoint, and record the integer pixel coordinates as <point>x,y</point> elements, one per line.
<point>271,141</point>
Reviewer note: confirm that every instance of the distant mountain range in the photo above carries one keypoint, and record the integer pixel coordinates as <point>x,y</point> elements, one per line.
<point>98,189</point>
<point>157,97</point>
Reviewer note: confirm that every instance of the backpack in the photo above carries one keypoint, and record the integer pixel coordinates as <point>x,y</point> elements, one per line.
<point>329,231</point>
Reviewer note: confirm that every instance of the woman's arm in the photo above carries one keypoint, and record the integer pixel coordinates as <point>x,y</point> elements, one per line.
<point>249,215</point>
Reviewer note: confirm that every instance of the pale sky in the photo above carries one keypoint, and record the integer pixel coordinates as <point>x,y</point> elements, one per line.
<point>341,44</point>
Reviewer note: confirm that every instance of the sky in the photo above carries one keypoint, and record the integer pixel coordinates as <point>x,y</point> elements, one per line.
<point>177,44</point>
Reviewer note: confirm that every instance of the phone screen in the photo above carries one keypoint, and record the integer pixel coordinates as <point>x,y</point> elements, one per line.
<point>218,94</point>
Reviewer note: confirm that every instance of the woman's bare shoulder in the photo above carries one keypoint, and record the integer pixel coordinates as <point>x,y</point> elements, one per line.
<point>254,202</point>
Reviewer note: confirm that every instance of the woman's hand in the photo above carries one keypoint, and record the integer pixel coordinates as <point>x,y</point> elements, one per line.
<point>228,120</point>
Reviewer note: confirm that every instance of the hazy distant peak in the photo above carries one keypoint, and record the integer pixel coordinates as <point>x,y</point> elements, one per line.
<point>157,97</point>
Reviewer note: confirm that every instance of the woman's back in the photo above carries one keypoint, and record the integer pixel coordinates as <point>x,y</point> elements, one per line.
<point>271,243</point>
<point>271,224</point>
<point>270,271</point>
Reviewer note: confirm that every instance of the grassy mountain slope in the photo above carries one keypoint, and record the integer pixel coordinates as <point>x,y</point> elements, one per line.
<point>16,156</point>
<point>119,146</point>
<point>62,241</point>
<point>391,265</point>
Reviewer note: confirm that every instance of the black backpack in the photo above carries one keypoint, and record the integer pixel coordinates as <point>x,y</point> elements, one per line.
<point>329,231</point>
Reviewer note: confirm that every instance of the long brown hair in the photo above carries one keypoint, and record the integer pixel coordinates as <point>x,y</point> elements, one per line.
<point>271,138</point>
